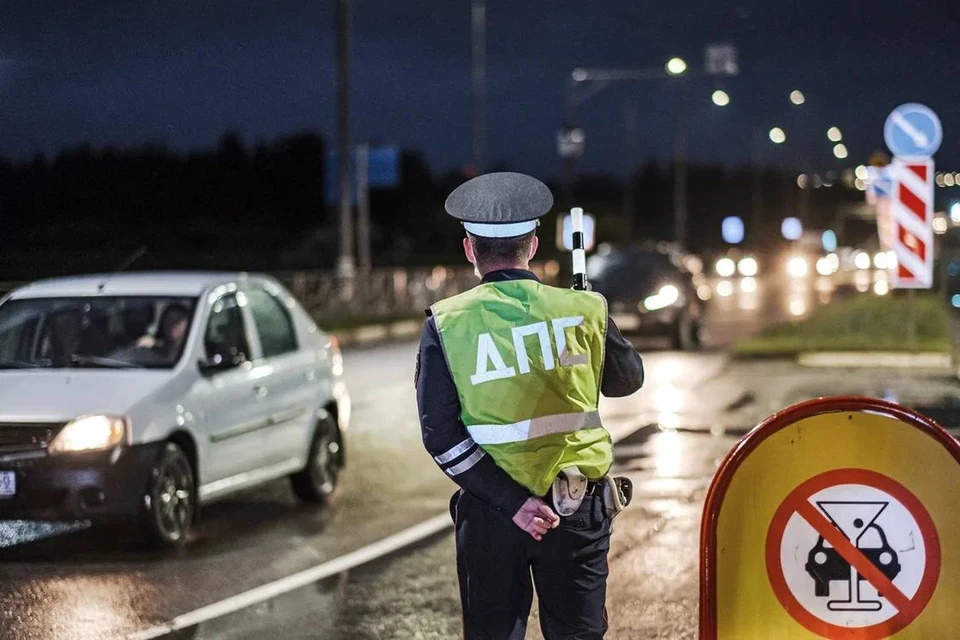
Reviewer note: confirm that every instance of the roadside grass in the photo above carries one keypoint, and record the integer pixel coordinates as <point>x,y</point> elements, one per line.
<point>863,323</point>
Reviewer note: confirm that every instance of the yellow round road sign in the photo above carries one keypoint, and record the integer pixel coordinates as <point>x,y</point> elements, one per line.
<point>831,520</point>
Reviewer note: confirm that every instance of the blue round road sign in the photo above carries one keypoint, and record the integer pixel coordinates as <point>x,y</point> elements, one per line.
<point>913,131</point>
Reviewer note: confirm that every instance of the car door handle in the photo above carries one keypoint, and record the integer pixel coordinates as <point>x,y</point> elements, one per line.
<point>260,391</point>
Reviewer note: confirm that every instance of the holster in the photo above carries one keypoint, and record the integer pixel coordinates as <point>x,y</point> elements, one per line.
<point>617,494</point>
<point>569,489</point>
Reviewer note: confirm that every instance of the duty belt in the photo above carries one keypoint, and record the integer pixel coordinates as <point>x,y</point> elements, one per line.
<point>570,487</point>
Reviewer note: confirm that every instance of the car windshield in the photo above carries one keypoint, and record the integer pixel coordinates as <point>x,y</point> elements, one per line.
<point>102,332</point>
<point>630,273</point>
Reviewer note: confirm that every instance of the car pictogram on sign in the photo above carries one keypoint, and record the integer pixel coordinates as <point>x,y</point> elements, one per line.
<point>825,564</point>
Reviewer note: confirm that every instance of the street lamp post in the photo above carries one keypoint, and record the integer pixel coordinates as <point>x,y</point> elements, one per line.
<point>598,80</point>
<point>720,59</point>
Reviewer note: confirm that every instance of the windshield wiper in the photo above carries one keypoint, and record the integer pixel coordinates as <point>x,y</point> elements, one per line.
<point>97,361</point>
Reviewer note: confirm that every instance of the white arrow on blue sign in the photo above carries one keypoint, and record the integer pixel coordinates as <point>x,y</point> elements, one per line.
<point>913,131</point>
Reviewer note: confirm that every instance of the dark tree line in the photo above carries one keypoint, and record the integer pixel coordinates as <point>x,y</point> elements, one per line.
<point>262,206</point>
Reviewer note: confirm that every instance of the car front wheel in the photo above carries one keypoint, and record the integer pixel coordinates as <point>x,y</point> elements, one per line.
<point>170,499</point>
<point>317,481</point>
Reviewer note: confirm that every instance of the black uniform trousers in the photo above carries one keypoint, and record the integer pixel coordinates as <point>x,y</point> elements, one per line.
<point>495,559</point>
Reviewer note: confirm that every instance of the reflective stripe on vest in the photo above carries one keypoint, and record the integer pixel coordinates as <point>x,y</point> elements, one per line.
<point>526,359</point>
<point>533,428</point>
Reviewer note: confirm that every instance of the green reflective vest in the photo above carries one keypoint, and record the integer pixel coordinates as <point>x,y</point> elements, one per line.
<point>526,359</point>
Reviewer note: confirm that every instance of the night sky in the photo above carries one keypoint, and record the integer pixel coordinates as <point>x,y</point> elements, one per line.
<point>124,73</point>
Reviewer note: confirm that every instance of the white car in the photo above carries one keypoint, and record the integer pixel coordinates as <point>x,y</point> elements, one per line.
<point>145,395</point>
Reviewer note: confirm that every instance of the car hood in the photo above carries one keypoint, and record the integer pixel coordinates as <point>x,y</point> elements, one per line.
<point>58,396</point>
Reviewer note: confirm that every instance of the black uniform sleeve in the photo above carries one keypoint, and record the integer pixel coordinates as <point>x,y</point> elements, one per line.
<point>622,366</point>
<point>447,440</point>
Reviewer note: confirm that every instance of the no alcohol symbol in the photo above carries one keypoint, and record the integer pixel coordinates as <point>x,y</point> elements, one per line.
<point>852,549</point>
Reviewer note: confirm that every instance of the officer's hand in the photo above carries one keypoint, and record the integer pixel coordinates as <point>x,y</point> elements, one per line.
<point>536,518</point>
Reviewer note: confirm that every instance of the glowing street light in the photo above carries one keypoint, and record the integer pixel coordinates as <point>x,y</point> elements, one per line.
<point>676,66</point>
<point>721,98</point>
<point>840,151</point>
<point>777,135</point>
<point>797,97</point>
<point>861,172</point>
<point>834,135</point>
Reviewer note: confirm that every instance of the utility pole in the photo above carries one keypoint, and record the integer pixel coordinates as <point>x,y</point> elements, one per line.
<point>345,264</point>
<point>363,208</point>
<point>479,21</point>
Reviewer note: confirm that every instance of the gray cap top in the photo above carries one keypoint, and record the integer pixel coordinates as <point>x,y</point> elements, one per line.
<point>493,204</point>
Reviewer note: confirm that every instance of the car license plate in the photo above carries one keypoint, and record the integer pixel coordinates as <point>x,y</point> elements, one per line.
<point>8,483</point>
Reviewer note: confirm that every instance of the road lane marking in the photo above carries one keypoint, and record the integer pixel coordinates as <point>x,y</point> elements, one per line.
<point>294,581</point>
<point>327,569</point>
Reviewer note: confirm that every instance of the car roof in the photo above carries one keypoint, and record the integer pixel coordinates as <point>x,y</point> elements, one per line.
<point>134,283</point>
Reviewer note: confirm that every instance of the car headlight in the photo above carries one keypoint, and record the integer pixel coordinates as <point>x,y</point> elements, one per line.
<point>90,433</point>
<point>667,295</point>
<point>725,267</point>
<point>797,267</point>
<point>748,267</point>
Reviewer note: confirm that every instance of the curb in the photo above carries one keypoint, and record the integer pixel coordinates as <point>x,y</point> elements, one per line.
<point>892,359</point>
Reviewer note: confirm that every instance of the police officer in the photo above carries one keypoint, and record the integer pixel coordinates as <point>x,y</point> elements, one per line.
<point>508,380</point>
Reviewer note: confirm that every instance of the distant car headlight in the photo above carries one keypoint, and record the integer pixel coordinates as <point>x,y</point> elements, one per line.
<point>861,261</point>
<point>725,267</point>
<point>748,267</point>
<point>90,433</point>
<point>667,295</point>
<point>797,267</point>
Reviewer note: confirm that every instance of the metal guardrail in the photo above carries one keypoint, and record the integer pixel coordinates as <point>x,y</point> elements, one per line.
<point>381,294</point>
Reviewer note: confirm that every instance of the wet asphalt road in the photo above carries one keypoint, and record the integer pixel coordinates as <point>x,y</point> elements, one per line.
<point>75,582</point>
